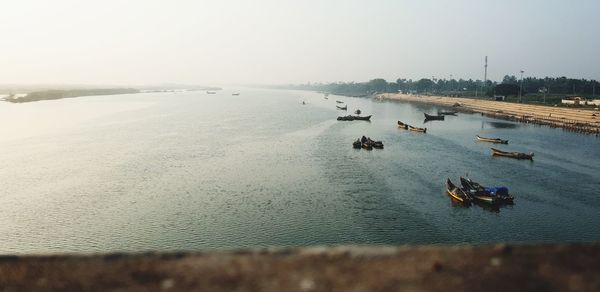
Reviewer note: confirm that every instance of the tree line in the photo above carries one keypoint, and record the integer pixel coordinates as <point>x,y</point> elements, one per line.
<point>510,85</point>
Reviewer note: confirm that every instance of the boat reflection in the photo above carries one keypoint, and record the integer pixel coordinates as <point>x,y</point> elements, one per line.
<point>500,125</point>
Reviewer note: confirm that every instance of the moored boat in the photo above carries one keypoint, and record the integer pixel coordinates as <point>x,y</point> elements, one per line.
<point>499,192</point>
<point>339,101</point>
<point>235,94</point>
<point>457,193</point>
<point>352,118</point>
<point>357,144</point>
<point>516,155</point>
<point>342,107</point>
<point>447,113</point>
<point>432,117</point>
<point>369,143</point>
<point>491,140</point>
<point>211,92</point>
<point>415,129</point>
<point>402,125</point>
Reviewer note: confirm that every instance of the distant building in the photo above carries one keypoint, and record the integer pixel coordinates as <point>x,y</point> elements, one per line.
<point>576,100</point>
<point>580,100</point>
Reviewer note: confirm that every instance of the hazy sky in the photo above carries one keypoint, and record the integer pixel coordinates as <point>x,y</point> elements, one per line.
<point>219,42</point>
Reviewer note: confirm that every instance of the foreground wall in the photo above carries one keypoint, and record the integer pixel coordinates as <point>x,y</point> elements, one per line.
<point>403,268</point>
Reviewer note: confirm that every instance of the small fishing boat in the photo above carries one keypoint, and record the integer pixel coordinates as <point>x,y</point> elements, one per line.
<point>342,107</point>
<point>303,102</point>
<point>353,118</point>
<point>516,155</point>
<point>491,140</point>
<point>447,113</point>
<point>431,117</point>
<point>367,146</point>
<point>457,193</point>
<point>357,144</point>
<point>235,94</point>
<point>477,192</point>
<point>402,125</point>
<point>415,129</point>
<point>501,192</point>
<point>367,141</point>
<point>357,111</point>
<point>211,92</point>
<point>339,101</point>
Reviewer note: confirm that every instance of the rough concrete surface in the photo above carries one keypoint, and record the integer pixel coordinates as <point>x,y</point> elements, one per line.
<point>402,268</point>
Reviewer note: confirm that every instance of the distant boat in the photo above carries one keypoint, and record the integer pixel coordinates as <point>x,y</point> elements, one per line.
<point>354,118</point>
<point>342,108</point>
<point>303,102</point>
<point>432,117</point>
<point>339,101</point>
<point>402,125</point>
<point>326,94</point>
<point>491,140</point>
<point>357,111</point>
<point>516,155</point>
<point>235,93</point>
<point>211,92</point>
<point>415,129</point>
<point>446,113</point>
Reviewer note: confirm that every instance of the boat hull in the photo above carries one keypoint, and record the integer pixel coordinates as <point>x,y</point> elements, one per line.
<point>515,155</point>
<point>491,140</point>
<point>433,118</point>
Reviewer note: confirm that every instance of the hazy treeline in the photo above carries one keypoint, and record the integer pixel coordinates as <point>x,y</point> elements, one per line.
<point>510,85</point>
<point>58,94</point>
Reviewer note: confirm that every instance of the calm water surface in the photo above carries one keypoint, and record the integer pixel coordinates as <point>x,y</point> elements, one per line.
<point>191,171</point>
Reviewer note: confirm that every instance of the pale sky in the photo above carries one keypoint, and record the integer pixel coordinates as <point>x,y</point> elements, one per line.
<point>278,41</point>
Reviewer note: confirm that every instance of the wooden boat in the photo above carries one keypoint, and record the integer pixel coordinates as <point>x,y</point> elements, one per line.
<point>357,111</point>
<point>430,117</point>
<point>516,155</point>
<point>342,107</point>
<point>491,140</point>
<point>402,125</point>
<point>339,101</point>
<point>477,192</point>
<point>353,118</point>
<point>500,193</point>
<point>415,129</point>
<point>457,193</point>
<point>447,113</point>
<point>367,146</point>
<point>370,143</point>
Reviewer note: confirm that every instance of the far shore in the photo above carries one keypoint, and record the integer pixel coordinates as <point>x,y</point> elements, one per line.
<point>584,121</point>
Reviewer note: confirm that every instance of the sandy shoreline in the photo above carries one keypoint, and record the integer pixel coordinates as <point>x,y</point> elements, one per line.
<point>571,119</point>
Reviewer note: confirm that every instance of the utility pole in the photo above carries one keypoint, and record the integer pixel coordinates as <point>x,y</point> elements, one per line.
<point>521,88</point>
<point>485,74</point>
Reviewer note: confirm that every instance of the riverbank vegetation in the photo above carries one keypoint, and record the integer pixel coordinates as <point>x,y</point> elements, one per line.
<point>534,90</point>
<point>58,94</point>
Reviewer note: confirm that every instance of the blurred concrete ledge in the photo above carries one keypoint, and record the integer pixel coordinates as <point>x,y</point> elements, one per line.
<point>362,268</point>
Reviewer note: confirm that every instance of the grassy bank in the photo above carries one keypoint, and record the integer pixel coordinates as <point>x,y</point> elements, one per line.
<point>59,94</point>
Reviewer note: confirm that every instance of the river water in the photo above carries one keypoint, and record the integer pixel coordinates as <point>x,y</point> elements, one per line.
<point>192,171</point>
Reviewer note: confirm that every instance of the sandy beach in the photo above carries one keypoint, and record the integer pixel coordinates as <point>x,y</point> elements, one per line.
<point>580,120</point>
